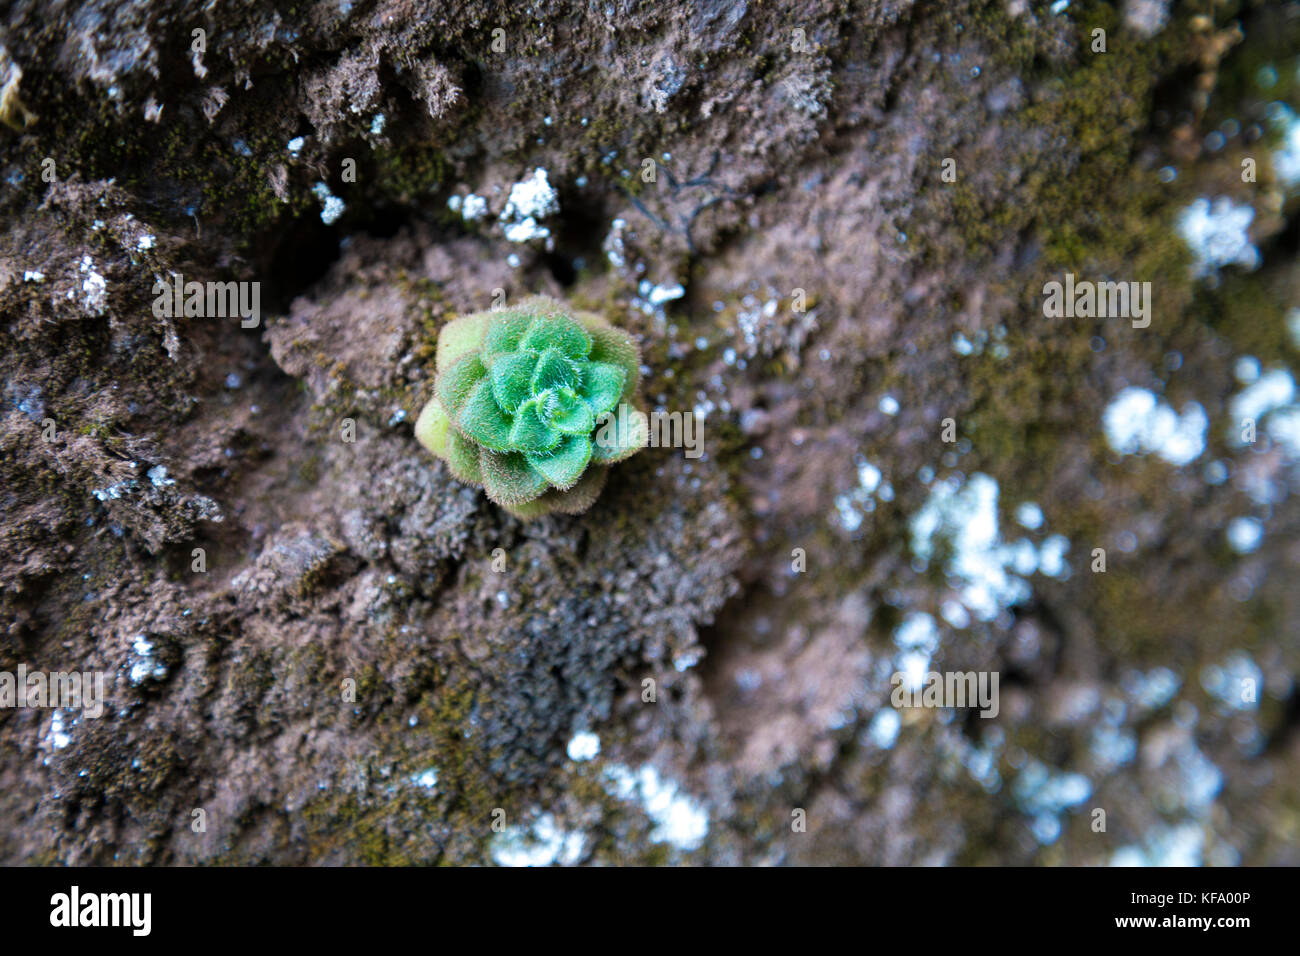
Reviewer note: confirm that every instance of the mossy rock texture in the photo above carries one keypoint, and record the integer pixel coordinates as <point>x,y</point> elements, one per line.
<point>359,575</point>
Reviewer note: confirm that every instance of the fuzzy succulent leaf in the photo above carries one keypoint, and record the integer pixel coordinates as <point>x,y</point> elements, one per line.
<point>512,376</point>
<point>522,400</point>
<point>557,332</point>
<point>461,337</point>
<point>572,501</point>
<point>503,334</point>
<point>554,370</point>
<point>433,427</point>
<point>531,432</point>
<point>463,458</point>
<point>602,386</point>
<point>614,346</point>
<point>482,420</point>
<point>457,381</point>
<point>568,413</point>
<point>563,465</point>
<point>509,479</point>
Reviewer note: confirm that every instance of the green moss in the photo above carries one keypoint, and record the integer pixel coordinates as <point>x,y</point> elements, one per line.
<point>1248,310</point>
<point>409,171</point>
<point>387,823</point>
<point>1075,179</point>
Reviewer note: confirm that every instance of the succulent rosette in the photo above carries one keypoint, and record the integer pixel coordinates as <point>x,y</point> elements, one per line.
<point>532,402</point>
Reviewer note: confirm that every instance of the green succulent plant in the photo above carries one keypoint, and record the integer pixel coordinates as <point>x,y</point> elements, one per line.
<point>526,404</point>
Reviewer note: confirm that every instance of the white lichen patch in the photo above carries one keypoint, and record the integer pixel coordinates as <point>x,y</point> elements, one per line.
<point>1153,689</point>
<point>1265,393</point>
<point>614,246</point>
<point>1286,159</point>
<point>144,665</point>
<point>471,207</point>
<point>426,779</point>
<point>1245,534</point>
<point>1217,234</point>
<point>1029,515</point>
<point>583,746</point>
<point>529,201</point>
<point>1136,422</point>
<point>542,843</point>
<point>331,206</point>
<point>1265,411</point>
<point>1269,400</point>
<point>752,321</point>
<point>980,341</point>
<point>1146,17</point>
<point>1180,845</point>
<point>987,574</point>
<point>94,288</point>
<point>884,727</point>
<point>1236,683</point>
<point>58,736</point>
<point>917,639</point>
<point>851,507</point>
<point>116,490</point>
<point>1045,793</point>
<point>651,298</point>
<point>680,820</point>
<point>1112,747</point>
<point>659,294</point>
